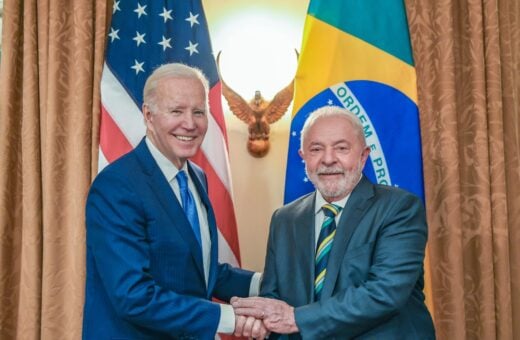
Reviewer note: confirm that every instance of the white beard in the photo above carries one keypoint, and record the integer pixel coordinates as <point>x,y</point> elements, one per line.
<point>335,188</point>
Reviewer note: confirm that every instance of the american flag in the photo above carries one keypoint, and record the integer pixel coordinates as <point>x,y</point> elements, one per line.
<point>143,35</point>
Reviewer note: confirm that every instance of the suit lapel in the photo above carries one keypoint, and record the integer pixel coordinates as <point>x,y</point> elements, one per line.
<point>353,212</point>
<point>165,195</point>
<point>304,232</point>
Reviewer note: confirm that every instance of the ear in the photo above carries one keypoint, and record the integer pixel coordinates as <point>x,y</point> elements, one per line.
<point>147,114</point>
<point>146,111</point>
<point>300,152</point>
<point>364,155</point>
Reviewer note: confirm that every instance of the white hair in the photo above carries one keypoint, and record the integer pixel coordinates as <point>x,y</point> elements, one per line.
<point>172,70</point>
<point>332,111</point>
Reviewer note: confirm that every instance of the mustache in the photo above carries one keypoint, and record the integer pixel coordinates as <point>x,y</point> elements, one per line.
<point>323,170</point>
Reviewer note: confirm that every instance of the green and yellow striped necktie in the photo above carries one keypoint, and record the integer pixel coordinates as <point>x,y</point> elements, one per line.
<point>325,240</point>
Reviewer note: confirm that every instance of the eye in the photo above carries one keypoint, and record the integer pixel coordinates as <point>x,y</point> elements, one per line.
<point>199,113</point>
<point>342,148</point>
<point>174,112</point>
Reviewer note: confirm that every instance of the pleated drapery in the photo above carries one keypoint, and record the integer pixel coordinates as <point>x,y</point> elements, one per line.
<point>52,53</point>
<point>467,56</point>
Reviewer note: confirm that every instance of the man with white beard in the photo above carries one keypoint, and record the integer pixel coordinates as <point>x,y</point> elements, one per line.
<point>345,261</point>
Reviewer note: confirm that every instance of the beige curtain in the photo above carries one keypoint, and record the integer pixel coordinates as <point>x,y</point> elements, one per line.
<point>52,53</point>
<point>467,56</point>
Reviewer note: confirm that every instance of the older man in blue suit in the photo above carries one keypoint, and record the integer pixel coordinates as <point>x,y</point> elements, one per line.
<point>347,260</point>
<point>152,262</point>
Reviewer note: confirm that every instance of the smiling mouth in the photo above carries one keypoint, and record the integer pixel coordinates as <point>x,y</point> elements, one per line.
<point>330,173</point>
<point>185,138</point>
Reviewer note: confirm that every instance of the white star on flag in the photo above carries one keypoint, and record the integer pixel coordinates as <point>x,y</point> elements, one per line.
<point>166,14</point>
<point>140,10</point>
<point>139,38</point>
<point>113,34</point>
<point>116,8</point>
<point>138,67</point>
<point>192,19</point>
<point>192,48</point>
<point>165,43</point>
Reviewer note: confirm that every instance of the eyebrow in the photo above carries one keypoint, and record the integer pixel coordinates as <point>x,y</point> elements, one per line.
<point>341,141</point>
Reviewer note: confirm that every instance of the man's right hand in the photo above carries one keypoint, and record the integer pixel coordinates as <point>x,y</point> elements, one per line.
<point>249,327</point>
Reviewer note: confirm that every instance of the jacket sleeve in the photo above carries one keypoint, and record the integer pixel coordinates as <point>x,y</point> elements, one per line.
<point>232,282</point>
<point>268,288</point>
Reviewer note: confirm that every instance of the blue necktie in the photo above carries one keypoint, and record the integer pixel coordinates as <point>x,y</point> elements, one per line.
<point>188,204</point>
<point>325,240</point>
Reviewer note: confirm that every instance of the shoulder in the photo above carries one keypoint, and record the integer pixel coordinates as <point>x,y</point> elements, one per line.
<point>122,166</point>
<point>122,172</point>
<point>297,207</point>
<point>384,194</point>
<point>397,197</point>
<point>395,206</point>
<point>392,193</point>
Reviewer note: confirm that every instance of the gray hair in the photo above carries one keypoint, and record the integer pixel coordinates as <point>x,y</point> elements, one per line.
<point>172,70</point>
<point>332,111</point>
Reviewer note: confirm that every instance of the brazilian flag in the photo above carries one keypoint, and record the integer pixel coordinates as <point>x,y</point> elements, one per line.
<point>357,54</point>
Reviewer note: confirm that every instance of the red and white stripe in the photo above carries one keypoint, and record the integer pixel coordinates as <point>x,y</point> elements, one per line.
<point>122,128</point>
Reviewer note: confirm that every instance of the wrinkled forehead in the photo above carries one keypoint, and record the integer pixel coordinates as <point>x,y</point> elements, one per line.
<point>180,86</point>
<point>177,82</point>
<point>334,127</point>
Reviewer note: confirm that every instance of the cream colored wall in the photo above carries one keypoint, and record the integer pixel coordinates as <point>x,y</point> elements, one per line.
<point>258,183</point>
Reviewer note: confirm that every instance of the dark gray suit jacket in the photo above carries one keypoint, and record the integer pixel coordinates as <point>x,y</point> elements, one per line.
<point>374,283</point>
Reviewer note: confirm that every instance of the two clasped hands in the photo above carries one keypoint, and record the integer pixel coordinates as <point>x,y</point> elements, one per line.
<point>257,317</point>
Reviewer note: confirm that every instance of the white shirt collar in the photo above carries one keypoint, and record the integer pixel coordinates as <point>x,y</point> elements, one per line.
<point>320,201</point>
<point>167,168</point>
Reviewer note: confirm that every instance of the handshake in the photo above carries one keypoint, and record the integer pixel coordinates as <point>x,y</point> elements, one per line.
<point>257,317</point>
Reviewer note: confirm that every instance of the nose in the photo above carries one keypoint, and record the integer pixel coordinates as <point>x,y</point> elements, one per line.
<point>189,121</point>
<point>329,156</point>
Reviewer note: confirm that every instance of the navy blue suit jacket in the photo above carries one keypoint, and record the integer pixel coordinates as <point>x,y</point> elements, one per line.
<point>145,277</point>
<point>374,281</point>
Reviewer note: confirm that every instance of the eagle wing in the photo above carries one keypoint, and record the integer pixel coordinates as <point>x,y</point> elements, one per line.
<point>281,101</point>
<point>237,104</point>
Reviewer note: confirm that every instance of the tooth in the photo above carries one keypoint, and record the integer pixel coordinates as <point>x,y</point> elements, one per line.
<point>185,138</point>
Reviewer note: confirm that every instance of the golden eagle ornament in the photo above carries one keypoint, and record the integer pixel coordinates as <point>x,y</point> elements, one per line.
<point>257,113</point>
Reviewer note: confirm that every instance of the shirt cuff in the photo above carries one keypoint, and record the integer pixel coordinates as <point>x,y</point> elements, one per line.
<point>254,287</point>
<point>226,324</point>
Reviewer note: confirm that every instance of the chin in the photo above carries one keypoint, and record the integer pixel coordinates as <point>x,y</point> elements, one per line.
<point>330,189</point>
<point>334,195</point>
<point>184,151</point>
